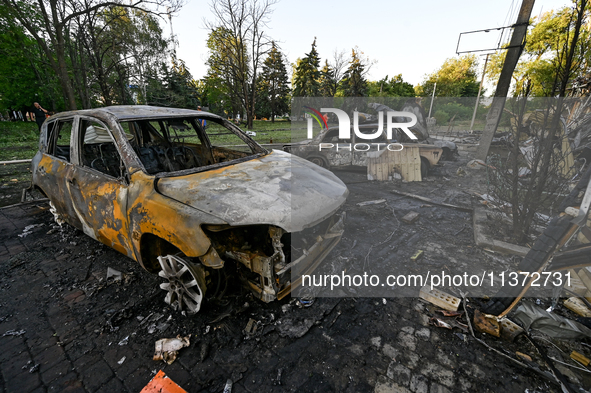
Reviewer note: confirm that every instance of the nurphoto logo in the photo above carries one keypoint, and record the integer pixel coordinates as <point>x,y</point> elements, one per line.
<point>394,120</point>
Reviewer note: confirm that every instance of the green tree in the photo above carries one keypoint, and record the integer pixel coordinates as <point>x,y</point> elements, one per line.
<point>543,60</point>
<point>23,79</point>
<point>50,24</point>
<point>395,87</point>
<point>306,76</point>
<point>354,83</point>
<point>238,45</point>
<point>328,81</point>
<point>173,87</point>
<point>273,86</point>
<point>227,67</point>
<point>455,78</point>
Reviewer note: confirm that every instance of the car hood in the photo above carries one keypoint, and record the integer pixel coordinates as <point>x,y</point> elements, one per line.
<point>300,143</point>
<point>277,189</point>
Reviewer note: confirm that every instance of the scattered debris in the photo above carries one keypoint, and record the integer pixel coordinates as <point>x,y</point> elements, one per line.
<point>251,327</point>
<point>34,369</point>
<point>410,217</point>
<point>580,358</point>
<point>116,275</point>
<point>161,327</point>
<point>577,306</point>
<point>120,362</point>
<point>123,342</point>
<point>428,200</point>
<point>447,313</point>
<point>293,328</point>
<point>15,332</point>
<point>304,302</point>
<point>28,230</point>
<point>523,356</point>
<point>439,323</point>
<point>417,256</point>
<point>475,164</point>
<point>228,386</point>
<point>439,298</point>
<point>488,324</point>
<point>162,384</point>
<point>532,317</point>
<point>167,349</point>
<point>509,329</point>
<point>376,202</point>
<point>204,351</point>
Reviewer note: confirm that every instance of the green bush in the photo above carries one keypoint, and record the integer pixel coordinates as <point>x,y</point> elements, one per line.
<point>441,117</point>
<point>461,112</point>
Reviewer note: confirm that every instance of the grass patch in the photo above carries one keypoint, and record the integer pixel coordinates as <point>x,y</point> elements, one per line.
<point>278,132</point>
<point>18,140</point>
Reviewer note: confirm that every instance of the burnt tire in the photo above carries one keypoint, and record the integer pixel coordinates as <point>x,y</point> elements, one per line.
<point>320,161</point>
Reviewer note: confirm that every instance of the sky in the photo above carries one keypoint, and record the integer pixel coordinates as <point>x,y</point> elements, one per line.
<point>412,38</point>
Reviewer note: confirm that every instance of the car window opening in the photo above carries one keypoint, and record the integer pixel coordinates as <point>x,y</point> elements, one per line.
<point>171,145</point>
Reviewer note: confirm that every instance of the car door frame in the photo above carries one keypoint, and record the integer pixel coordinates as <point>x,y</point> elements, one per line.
<point>57,171</point>
<point>90,189</point>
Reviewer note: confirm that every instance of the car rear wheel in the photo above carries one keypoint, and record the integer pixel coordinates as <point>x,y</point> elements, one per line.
<point>186,283</point>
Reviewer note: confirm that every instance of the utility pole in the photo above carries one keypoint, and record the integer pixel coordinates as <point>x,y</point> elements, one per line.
<point>513,53</point>
<point>479,91</point>
<point>172,37</point>
<point>432,98</point>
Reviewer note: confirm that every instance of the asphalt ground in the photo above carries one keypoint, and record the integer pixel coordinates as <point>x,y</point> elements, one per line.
<point>65,328</point>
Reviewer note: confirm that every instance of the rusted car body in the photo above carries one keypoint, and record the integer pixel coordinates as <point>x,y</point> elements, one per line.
<point>319,151</point>
<point>186,201</point>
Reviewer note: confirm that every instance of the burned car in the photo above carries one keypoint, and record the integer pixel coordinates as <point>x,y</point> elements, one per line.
<point>188,202</point>
<point>328,151</point>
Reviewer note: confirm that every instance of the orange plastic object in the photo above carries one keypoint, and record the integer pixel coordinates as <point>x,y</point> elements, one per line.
<point>162,384</point>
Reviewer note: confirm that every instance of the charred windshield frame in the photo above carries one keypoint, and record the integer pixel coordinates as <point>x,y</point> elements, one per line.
<point>157,148</point>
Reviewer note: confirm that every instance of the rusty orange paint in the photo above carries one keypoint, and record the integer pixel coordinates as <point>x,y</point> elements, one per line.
<point>162,384</point>
<point>168,219</point>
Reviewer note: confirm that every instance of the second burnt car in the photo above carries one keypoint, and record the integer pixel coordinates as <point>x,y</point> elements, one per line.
<point>343,156</point>
<point>188,203</point>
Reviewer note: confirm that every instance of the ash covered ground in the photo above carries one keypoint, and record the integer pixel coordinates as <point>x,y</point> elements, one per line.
<point>65,327</point>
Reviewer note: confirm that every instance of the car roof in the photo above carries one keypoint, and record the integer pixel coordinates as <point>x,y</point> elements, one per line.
<point>133,112</point>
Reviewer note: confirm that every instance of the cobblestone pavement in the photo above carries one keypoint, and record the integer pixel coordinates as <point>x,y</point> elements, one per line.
<point>65,328</point>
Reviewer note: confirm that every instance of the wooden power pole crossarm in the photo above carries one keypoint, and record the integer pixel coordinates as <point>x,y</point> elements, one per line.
<point>513,53</point>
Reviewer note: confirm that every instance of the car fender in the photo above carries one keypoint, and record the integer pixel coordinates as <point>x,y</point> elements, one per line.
<point>178,224</point>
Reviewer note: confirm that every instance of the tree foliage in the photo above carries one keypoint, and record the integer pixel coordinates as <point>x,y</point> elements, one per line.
<point>87,45</point>
<point>306,76</point>
<point>354,83</point>
<point>273,86</point>
<point>328,81</point>
<point>23,77</point>
<point>173,87</point>
<point>455,78</point>
<point>543,59</point>
<point>238,45</point>
<point>394,87</point>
